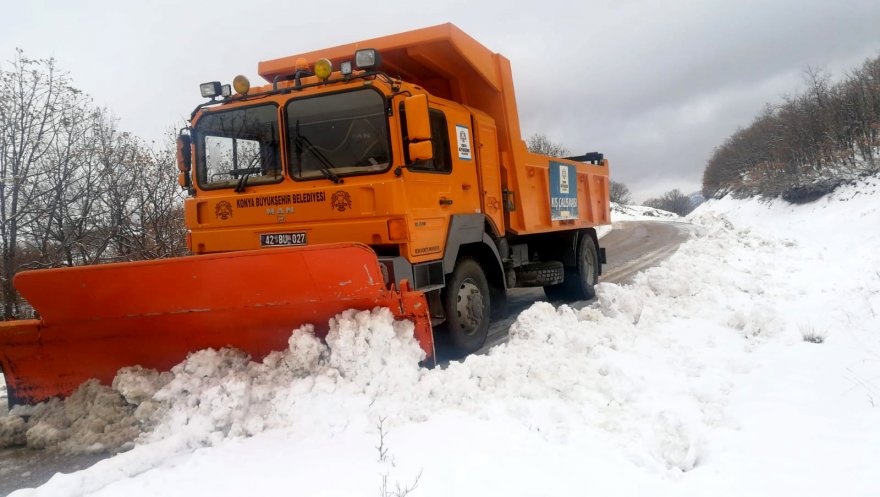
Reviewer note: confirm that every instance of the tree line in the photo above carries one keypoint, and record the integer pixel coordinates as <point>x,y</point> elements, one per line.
<point>74,188</point>
<point>805,146</point>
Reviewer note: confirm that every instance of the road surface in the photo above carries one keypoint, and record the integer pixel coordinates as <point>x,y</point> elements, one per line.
<point>631,247</point>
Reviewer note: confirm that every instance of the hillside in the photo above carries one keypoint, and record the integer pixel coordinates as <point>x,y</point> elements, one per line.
<point>823,136</point>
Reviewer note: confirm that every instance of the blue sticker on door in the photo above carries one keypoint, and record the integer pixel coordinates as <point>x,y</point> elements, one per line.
<point>563,192</point>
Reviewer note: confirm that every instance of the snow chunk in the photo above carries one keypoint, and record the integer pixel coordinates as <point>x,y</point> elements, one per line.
<point>676,441</point>
<point>366,344</point>
<point>137,384</point>
<point>12,431</point>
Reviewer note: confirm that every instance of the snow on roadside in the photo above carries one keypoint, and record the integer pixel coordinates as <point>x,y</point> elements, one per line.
<point>93,419</point>
<point>621,212</point>
<point>696,379</point>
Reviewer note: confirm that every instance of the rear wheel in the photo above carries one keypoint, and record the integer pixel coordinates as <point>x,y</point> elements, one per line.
<point>580,281</point>
<point>467,305</point>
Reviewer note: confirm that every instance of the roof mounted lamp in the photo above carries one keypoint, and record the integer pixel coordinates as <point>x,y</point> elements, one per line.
<point>367,59</point>
<point>302,70</point>
<point>241,84</point>
<point>211,89</point>
<point>323,69</point>
<point>345,68</point>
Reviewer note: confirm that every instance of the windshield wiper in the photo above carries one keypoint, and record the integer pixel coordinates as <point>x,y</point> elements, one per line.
<point>248,171</point>
<point>324,165</point>
<point>242,182</point>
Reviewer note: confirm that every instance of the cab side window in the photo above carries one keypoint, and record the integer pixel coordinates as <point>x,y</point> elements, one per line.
<point>442,161</point>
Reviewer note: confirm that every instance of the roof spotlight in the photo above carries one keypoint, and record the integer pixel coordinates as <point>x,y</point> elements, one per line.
<point>323,69</point>
<point>211,89</point>
<point>241,84</point>
<point>367,59</point>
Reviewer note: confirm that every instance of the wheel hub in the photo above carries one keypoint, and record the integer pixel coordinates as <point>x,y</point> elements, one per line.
<point>469,306</point>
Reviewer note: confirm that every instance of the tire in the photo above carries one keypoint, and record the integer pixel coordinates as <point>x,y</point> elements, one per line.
<point>540,273</point>
<point>580,281</point>
<point>467,303</point>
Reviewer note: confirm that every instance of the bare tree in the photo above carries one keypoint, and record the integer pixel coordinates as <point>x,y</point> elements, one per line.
<point>619,193</point>
<point>672,201</point>
<point>74,189</point>
<point>159,226</point>
<point>33,96</point>
<point>538,143</point>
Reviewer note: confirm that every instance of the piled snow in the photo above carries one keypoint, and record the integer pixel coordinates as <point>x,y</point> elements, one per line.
<point>215,395</point>
<point>92,419</point>
<point>621,212</point>
<point>694,380</point>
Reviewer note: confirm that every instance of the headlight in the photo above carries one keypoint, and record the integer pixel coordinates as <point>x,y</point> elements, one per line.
<point>323,68</point>
<point>241,84</point>
<point>210,90</point>
<point>366,59</point>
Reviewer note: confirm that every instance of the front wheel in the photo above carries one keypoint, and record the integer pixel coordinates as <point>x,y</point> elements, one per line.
<point>467,306</point>
<point>580,281</point>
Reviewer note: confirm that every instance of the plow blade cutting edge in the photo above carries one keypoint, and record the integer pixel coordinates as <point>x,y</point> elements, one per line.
<point>97,319</point>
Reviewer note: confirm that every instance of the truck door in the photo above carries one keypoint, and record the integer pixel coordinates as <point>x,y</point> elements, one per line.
<point>490,170</point>
<point>443,186</point>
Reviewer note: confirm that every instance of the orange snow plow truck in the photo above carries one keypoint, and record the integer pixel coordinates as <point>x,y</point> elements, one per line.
<point>389,172</point>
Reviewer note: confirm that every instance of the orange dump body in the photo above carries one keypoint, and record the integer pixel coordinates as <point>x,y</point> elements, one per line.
<point>97,319</point>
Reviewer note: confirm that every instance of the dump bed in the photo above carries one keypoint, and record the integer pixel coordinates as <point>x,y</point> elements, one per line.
<point>449,64</point>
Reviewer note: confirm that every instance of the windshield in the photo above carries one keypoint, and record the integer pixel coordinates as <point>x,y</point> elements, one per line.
<point>238,147</point>
<point>337,135</point>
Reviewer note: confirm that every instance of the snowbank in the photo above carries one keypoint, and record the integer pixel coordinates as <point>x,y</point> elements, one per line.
<point>694,380</point>
<point>620,212</point>
<point>93,419</point>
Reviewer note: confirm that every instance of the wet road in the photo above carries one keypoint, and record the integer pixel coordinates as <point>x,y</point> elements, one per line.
<point>630,247</point>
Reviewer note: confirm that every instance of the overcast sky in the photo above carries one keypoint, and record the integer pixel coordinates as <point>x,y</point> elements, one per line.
<point>654,85</point>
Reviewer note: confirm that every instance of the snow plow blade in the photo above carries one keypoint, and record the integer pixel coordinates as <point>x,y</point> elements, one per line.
<point>97,319</point>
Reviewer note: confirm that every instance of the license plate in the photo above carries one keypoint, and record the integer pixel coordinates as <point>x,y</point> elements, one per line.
<point>282,239</point>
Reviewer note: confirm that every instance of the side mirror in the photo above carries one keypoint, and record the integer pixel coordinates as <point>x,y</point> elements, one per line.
<point>184,160</point>
<point>419,151</point>
<point>418,128</point>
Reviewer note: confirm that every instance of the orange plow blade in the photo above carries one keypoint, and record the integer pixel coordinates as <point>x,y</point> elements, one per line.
<point>97,319</point>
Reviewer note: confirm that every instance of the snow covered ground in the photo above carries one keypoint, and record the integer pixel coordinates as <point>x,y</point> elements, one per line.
<point>620,212</point>
<point>746,364</point>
